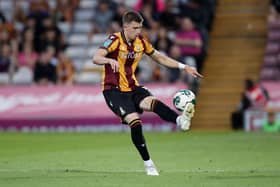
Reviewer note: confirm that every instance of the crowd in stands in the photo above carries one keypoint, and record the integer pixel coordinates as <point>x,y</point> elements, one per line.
<point>271,65</point>
<point>44,41</point>
<point>255,96</point>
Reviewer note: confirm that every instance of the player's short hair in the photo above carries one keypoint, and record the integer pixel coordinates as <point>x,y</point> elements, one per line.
<point>130,16</point>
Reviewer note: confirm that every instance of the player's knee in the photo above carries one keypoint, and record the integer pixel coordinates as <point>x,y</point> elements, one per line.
<point>146,104</point>
<point>131,117</point>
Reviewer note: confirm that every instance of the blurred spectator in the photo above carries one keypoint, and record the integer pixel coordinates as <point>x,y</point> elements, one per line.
<point>7,62</point>
<point>5,58</point>
<point>39,6</point>
<point>209,7</point>
<point>51,54</point>
<point>51,36</point>
<point>29,39</point>
<point>190,41</point>
<point>27,57</point>
<point>4,37</point>
<point>49,39</point>
<point>65,10</point>
<point>121,9</point>
<point>162,42</point>
<point>174,73</point>
<point>2,18</point>
<point>195,11</point>
<point>39,9</point>
<point>30,23</point>
<point>65,69</point>
<point>275,4</point>
<point>274,13</point>
<point>253,97</point>
<point>8,35</point>
<point>271,124</point>
<point>103,17</point>
<point>147,14</point>
<point>168,17</point>
<point>116,24</point>
<point>48,23</point>
<point>8,32</point>
<point>44,71</point>
<point>19,14</point>
<point>157,7</point>
<point>34,28</point>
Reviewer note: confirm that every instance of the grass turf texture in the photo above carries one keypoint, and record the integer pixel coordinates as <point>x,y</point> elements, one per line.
<point>109,159</point>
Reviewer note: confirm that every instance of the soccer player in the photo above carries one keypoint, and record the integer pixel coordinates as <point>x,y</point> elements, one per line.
<point>120,54</point>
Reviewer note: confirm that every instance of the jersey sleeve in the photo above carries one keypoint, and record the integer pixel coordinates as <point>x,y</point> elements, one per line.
<point>149,49</point>
<point>110,44</point>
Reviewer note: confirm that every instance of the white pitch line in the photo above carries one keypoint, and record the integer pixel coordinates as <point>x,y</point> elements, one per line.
<point>129,171</point>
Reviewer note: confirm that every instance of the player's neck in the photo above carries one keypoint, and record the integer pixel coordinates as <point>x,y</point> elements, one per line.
<point>127,40</point>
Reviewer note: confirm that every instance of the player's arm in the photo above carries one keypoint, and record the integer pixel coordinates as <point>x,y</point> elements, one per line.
<point>100,58</point>
<point>169,62</point>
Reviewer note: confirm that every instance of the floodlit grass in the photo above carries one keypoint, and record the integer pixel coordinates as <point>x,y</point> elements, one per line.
<point>109,159</point>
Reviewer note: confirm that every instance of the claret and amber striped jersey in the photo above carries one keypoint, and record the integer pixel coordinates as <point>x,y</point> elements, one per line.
<point>128,57</point>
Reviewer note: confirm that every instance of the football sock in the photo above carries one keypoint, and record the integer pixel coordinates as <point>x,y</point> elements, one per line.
<point>138,139</point>
<point>148,162</point>
<point>163,111</point>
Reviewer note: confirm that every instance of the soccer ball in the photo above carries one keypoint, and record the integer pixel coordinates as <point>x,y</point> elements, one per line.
<point>182,97</point>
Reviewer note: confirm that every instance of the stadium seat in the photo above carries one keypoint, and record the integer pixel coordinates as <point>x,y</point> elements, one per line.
<point>88,78</point>
<point>272,48</point>
<point>91,51</point>
<point>98,39</point>
<point>24,5</point>
<point>8,14</point>
<point>82,27</point>
<point>64,27</point>
<point>273,35</point>
<point>52,3</point>
<point>270,74</point>
<point>84,15</point>
<point>274,25</point>
<point>78,39</point>
<point>4,78</point>
<point>88,4</point>
<point>90,67</point>
<point>19,26</point>
<point>76,52</point>
<point>79,63</point>
<point>270,60</point>
<point>6,5</point>
<point>23,76</point>
<point>130,3</point>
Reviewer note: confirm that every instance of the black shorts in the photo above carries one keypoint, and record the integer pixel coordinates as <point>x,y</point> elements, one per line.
<point>124,103</point>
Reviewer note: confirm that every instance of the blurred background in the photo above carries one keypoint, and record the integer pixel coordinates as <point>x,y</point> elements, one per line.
<point>49,83</point>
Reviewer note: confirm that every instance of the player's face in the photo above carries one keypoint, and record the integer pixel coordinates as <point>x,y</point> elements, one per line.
<point>132,29</point>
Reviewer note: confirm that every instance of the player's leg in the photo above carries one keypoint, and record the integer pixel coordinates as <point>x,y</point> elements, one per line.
<point>137,137</point>
<point>138,140</point>
<point>150,103</point>
<point>123,106</point>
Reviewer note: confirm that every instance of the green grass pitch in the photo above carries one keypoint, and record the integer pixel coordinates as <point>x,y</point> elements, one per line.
<point>109,159</point>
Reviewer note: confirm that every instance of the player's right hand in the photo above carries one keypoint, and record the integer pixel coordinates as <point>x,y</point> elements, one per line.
<point>114,65</point>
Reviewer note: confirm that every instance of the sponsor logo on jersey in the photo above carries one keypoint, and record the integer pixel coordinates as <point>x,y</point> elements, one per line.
<point>107,43</point>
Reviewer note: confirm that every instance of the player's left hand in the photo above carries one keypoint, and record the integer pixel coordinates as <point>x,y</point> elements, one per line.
<point>193,71</point>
